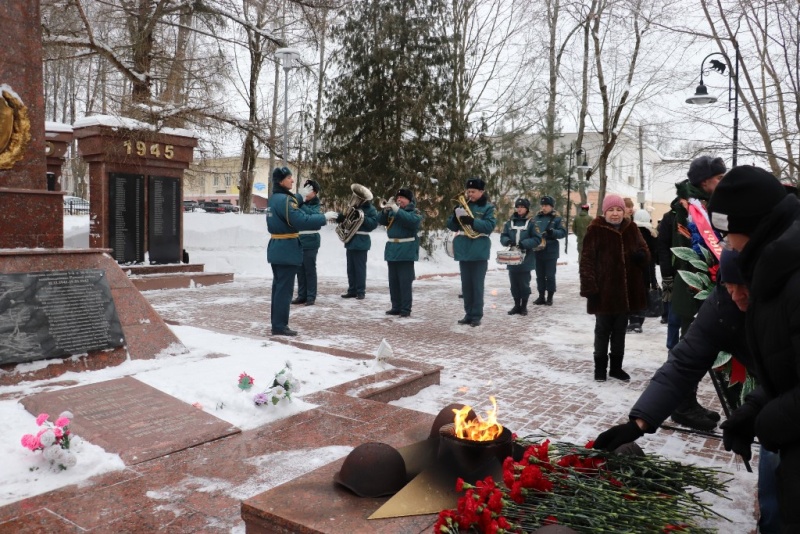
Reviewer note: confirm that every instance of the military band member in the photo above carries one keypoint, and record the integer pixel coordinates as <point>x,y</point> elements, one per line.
<point>284,251</point>
<point>520,232</point>
<point>402,220</point>
<point>308,199</point>
<point>356,252</point>
<point>471,247</point>
<point>548,224</point>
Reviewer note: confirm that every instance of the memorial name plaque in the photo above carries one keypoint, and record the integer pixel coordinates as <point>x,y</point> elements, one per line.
<point>131,418</point>
<point>164,220</point>
<point>126,217</point>
<point>56,313</point>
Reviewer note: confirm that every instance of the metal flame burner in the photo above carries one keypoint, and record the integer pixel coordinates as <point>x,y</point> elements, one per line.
<point>469,459</point>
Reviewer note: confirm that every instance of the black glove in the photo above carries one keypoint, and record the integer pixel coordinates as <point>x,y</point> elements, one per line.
<point>340,218</point>
<point>617,436</point>
<point>639,256</point>
<point>666,288</point>
<point>549,233</point>
<point>466,220</point>
<point>739,430</point>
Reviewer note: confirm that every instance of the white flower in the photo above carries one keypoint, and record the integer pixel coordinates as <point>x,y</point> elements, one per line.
<point>69,459</point>
<point>47,438</point>
<point>278,391</point>
<point>52,454</point>
<point>67,414</point>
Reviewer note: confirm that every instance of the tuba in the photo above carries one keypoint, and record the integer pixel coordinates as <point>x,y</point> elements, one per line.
<point>353,217</point>
<point>468,231</point>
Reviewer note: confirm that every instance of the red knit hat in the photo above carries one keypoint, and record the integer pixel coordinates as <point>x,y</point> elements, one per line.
<point>611,201</point>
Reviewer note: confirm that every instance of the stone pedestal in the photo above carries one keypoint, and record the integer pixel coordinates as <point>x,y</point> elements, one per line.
<point>120,150</point>
<point>30,216</point>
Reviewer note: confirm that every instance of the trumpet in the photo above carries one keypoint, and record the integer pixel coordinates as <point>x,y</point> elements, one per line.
<point>386,203</point>
<point>469,231</point>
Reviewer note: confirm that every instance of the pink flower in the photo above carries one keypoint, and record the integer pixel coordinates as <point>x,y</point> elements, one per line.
<point>58,432</point>
<point>41,419</point>
<point>29,441</point>
<point>62,422</point>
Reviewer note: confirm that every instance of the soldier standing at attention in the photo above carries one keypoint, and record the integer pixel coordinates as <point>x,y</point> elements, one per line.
<point>579,226</point>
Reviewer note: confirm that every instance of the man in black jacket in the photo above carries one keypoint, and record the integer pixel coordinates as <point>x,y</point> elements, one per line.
<point>762,222</point>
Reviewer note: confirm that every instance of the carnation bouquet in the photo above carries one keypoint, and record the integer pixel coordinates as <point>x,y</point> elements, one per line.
<point>53,439</point>
<point>584,489</point>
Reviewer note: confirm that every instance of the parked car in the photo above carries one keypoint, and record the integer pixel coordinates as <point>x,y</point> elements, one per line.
<point>213,207</point>
<point>189,205</point>
<point>75,205</point>
<point>230,208</point>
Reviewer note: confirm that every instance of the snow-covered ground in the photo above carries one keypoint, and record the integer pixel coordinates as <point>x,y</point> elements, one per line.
<point>237,243</point>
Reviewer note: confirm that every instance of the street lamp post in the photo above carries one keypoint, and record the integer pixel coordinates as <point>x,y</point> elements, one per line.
<point>287,56</point>
<point>583,167</point>
<point>702,98</point>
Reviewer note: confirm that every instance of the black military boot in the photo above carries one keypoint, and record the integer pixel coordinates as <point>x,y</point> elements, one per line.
<point>549,300</point>
<point>691,415</point>
<point>515,309</point>
<point>523,306</point>
<point>541,300</point>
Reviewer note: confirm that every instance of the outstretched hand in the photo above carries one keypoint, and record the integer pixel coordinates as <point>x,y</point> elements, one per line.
<point>619,435</point>
<point>738,430</point>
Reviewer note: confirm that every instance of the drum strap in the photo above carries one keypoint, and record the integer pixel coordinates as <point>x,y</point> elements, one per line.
<point>520,229</point>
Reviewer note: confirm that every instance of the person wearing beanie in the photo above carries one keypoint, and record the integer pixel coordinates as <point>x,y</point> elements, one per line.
<point>762,222</point>
<point>579,226</point>
<point>705,172</point>
<point>285,220</point>
<point>679,229</point>
<point>612,281</point>
<point>472,251</point>
<point>549,226</point>
<point>642,220</point>
<point>519,232</point>
<point>402,220</point>
<point>308,200</point>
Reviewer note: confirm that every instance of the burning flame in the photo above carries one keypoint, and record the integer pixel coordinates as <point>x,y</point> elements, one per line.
<point>477,429</point>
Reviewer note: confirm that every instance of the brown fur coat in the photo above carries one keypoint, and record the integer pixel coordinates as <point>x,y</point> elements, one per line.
<point>612,269</point>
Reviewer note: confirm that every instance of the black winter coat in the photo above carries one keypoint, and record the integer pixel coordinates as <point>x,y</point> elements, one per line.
<point>612,268</point>
<point>770,263</point>
<point>719,325</point>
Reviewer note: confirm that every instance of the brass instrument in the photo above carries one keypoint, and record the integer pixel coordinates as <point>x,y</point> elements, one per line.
<point>468,231</point>
<point>353,217</point>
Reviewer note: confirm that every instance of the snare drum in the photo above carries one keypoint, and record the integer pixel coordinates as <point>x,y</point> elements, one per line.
<point>511,256</point>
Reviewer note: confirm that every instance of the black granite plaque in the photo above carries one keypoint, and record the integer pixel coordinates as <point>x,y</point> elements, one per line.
<point>56,313</point>
<point>164,219</point>
<point>126,217</point>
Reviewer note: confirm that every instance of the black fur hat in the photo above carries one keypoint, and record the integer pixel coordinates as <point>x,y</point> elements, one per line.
<point>405,193</point>
<point>280,173</point>
<point>314,185</point>
<point>743,198</point>
<point>523,202</point>
<point>476,183</point>
<point>703,168</point>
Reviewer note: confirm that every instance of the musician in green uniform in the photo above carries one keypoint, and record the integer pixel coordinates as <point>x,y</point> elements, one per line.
<point>474,221</point>
<point>402,220</point>
<point>284,251</point>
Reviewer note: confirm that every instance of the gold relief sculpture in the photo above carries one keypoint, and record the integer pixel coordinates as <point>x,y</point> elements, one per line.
<point>15,129</point>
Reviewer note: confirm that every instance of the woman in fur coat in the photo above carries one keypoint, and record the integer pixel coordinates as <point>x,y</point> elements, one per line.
<point>612,280</point>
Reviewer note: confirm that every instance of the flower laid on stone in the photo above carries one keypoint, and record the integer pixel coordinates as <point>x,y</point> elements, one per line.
<point>283,386</point>
<point>53,439</point>
<point>586,490</point>
<point>245,381</point>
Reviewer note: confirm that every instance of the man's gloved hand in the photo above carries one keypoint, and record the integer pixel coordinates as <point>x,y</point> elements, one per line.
<point>466,220</point>
<point>331,215</point>
<point>666,288</point>
<point>739,430</point>
<point>460,212</point>
<point>617,436</point>
<point>395,207</point>
<point>340,218</point>
<point>549,233</point>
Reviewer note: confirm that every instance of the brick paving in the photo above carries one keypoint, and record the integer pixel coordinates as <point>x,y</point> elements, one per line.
<point>539,367</point>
